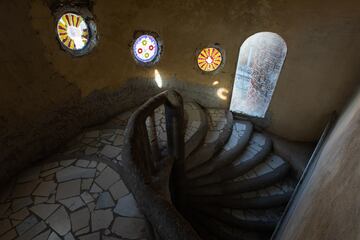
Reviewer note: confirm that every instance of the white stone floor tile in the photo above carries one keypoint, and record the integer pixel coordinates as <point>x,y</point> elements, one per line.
<point>132,228</point>
<point>20,215</point>
<point>19,203</point>
<point>44,210</point>
<point>101,219</point>
<point>107,178</point>
<point>80,219</point>
<point>118,190</point>
<point>45,189</point>
<point>43,235</point>
<point>92,236</point>
<point>59,221</point>
<point>68,189</point>
<point>73,203</point>
<point>54,236</point>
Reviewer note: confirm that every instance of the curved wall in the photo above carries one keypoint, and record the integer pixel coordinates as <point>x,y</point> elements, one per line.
<point>327,205</point>
<point>46,96</point>
<point>320,70</point>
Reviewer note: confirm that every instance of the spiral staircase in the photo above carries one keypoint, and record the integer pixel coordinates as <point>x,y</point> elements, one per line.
<point>191,172</point>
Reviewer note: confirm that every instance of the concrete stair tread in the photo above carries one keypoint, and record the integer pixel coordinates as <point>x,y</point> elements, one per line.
<point>265,174</point>
<point>240,135</point>
<point>219,129</point>
<point>225,231</point>
<point>160,128</point>
<point>255,152</point>
<point>272,196</point>
<point>257,143</point>
<point>271,163</point>
<point>196,126</point>
<point>253,219</point>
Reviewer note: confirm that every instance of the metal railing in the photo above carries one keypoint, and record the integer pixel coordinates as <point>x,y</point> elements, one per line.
<point>147,173</point>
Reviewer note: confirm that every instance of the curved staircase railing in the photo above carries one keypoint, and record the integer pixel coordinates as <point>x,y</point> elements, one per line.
<point>147,173</point>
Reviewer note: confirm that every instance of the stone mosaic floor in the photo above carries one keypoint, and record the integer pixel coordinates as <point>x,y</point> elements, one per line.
<point>105,141</point>
<point>70,199</point>
<point>83,197</point>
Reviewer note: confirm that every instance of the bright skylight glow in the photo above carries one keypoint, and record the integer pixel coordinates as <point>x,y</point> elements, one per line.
<point>259,65</point>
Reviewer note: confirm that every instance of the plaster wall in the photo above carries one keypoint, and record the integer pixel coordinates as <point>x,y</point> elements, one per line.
<point>329,205</point>
<point>319,74</point>
<point>47,96</point>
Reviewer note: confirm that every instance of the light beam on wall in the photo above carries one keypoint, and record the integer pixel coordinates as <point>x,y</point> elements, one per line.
<point>158,79</point>
<point>222,93</point>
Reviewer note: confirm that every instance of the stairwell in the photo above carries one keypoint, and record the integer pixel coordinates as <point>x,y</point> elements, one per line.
<point>165,170</point>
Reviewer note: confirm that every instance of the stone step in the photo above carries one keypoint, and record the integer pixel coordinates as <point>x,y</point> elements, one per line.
<point>260,220</point>
<point>196,126</point>
<point>258,148</point>
<point>241,133</point>
<point>273,196</point>
<point>225,231</point>
<point>219,130</point>
<point>265,174</point>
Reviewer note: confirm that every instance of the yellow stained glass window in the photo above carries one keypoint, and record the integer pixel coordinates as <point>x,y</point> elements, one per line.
<point>209,59</point>
<point>73,31</point>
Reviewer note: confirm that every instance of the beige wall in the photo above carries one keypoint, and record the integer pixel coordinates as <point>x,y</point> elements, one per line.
<point>38,78</point>
<point>329,205</point>
<point>320,71</point>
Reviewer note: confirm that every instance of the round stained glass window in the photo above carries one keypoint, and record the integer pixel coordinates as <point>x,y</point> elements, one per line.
<point>209,59</point>
<point>146,49</point>
<point>73,31</point>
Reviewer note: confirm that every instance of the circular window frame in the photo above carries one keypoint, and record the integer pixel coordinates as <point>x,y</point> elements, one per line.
<point>90,22</point>
<point>160,46</point>
<point>221,66</point>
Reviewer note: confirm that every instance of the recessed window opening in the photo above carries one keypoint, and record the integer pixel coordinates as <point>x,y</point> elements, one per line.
<point>209,59</point>
<point>146,48</point>
<point>76,30</point>
<point>73,31</point>
<point>260,60</point>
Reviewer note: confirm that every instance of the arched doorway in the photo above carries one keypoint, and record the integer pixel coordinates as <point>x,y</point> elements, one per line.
<point>260,60</point>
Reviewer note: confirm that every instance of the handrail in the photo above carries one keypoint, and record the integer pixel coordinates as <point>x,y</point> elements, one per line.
<point>147,177</point>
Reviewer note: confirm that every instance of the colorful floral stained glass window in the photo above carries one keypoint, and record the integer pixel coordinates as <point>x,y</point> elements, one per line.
<point>146,49</point>
<point>73,31</point>
<point>209,59</point>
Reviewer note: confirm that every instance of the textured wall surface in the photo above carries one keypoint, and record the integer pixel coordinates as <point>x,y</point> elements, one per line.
<point>46,96</point>
<point>329,206</point>
<point>320,70</point>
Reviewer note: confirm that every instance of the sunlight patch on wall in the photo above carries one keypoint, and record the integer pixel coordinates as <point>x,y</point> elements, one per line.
<point>158,78</point>
<point>222,93</point>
